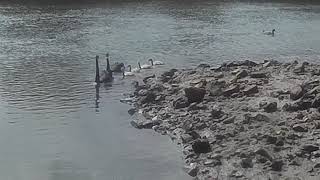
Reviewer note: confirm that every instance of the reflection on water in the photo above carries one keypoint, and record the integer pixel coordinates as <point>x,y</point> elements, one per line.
<point>57,125</point>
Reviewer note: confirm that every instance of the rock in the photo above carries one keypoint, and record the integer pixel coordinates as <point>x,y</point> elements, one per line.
<point>271,139</point>
<point>194,94</point>
<point>203,66</point>
<point>149,98</point>
<point>242,74</point>
<point>309,148</point>
<point>269,107</point>
<point>246,163</point>
<point>180,102</point>
<point>264,153</point>
<point>216,113</point>
<point>201,146</point>
<point>229,120</point>
<point>169,73</point>
<point>186,138</point>
<point>253,89</point>
<point>212,162</point>
<point>296,93</point>
<point>258,75</point>
<point>147,124</point>
<point>316,102</point>
<point>145,80</point>
<point>215,87</point>
<point>299,128</point>
<point>231,90</point>
<point>277,165</point>
<point>131,111</point>
<point>117,67</point>
<point>192,170</point>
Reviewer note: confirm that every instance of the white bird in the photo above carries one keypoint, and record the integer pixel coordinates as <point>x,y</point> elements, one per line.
<point>127,73</point>
<point>146,66</point>
<point>270,33</point>
<point>135,70</point>
<point>155,63</point>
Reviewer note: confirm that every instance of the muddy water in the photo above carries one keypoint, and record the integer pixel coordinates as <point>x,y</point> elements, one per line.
<point>53,128</point>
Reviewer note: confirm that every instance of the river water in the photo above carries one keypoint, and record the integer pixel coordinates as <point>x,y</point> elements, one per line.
<point>51,125</point>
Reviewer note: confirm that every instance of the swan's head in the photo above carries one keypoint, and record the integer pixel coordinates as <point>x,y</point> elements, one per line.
<point>273,30</point>
<point>107,55</point>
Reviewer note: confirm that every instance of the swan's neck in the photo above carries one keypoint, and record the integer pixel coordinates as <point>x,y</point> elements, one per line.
<point>97,70</point>
<point>139,65</point>
<point>108,64</point>
<point>151,62</point>
<point>129,67</point>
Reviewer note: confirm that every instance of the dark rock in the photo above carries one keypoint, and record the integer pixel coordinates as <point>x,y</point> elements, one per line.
<point>271,139</point>
<point>194,94</point>
<point>310,148</point>
<point>193,171</point>
<point>169,73</point>
<point>242,74</point>
<point>231,90</point>
<point>117,67</point>
<point>180,102</point>
<point>264,153</point>
<point>258,75</point>
<point>277,165</point>
<point>216,113</point>
<point>246,163</point>
<point>229,120</point>
<point>202,146</point>
<point>253,89</point>
<point>316,101</point>
<point>299,128</point>
<point>149,98</point>
<point>270,107</point>
<point>296,93</point>
<point>131,111</point>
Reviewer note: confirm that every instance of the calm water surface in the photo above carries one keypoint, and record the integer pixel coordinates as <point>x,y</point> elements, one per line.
<point>51,126</point>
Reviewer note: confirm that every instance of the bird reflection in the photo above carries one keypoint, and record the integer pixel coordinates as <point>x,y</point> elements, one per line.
<point>97,97</point>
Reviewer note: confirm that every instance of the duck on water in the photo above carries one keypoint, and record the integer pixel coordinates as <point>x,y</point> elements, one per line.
<point>269,33</point>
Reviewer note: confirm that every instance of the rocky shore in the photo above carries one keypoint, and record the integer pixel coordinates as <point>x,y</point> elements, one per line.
<point>242,120</point>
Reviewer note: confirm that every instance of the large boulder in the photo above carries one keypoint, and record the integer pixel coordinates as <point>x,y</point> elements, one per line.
<point>201,146</point>
<point>194,94</point>
<point>296,92</point>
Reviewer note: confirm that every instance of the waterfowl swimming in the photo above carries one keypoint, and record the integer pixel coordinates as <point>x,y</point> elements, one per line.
<point>127,73</point>
<point>155,63</point>
<point>146,66</point>
<point>106,75</point>
<point>270,33</point>
<point>116,67</point>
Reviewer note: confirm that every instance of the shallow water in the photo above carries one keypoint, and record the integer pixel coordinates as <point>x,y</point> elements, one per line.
<point>52,127</point>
